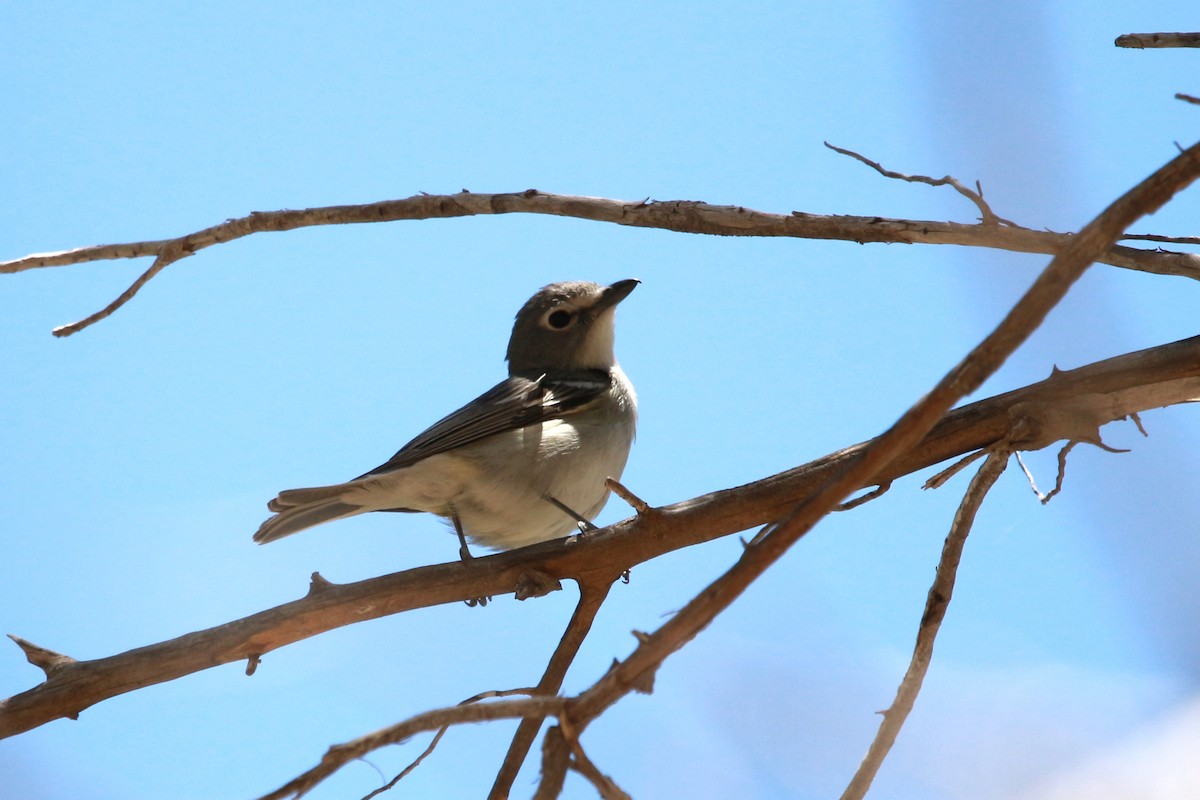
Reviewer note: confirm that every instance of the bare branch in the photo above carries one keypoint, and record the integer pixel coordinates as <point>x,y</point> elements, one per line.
<point>674,215</point>
<point>606,787</point>
<point>1141,41</point>
<point>340,755</point>
<point>1153,237</point>
<point>936,604</point>
<point>169,254</point>
<point>591,597</point>
<point>1131,383</point>
<point>437,737</point>
<point>1187,98</point>
<point>404,773</point>
<point>987,216</point>
<point>870,464</point>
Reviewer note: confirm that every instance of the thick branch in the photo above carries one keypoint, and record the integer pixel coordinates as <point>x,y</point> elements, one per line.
<point>872,463</point>
<point>1131,383</point>
<point>674,215</point>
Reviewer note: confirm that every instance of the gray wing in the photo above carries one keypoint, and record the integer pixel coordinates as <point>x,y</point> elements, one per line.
<point>512,404</point>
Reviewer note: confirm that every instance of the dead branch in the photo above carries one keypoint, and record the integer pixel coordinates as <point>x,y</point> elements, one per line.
<point>591,597</point>
<point>681,216</point>
<point>936,604</point>
<point>339,755</point>
<point>1140,381</point>
<point>1141,41</point>
<point>869,464</point>
<point>1154,237</point>
<point>437,737</point>
<point>986,215</point>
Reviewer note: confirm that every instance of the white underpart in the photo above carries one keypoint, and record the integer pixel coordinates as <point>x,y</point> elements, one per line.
<point>497,487</point>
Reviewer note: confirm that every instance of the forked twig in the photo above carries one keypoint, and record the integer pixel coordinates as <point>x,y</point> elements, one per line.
<point>437,737</point>
<point>988,217</point>
<point>340,755</point>
<point>936,604</point>
<point>591,597</point>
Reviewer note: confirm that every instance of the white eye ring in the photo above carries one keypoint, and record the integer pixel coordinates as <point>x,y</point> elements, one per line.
<point>558,319</point>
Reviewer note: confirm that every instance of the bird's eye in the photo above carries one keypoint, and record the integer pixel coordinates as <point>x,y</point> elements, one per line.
<point>559,319</point>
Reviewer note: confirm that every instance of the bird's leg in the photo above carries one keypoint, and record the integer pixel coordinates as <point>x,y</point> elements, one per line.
<point>585,525</point>
<point>464,552</point>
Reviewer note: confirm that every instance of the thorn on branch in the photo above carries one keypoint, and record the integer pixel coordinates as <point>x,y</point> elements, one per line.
<point>636,503</point>
<point>939,480</point>
<point>1137,420</point>
<point>644,683</point>
<point>535,583</point>
<point>880,490</point>
<point>252,663</point>
<point>759,536</point>
<point>48,661</point>
<point>317,584</point>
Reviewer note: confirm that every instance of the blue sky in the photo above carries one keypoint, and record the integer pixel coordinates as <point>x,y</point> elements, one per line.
<point>140,453</point>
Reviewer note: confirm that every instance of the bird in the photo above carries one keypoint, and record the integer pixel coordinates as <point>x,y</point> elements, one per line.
<point>527,460</point>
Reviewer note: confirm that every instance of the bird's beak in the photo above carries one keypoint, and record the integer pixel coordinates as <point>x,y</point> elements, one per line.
<point>615,294</point>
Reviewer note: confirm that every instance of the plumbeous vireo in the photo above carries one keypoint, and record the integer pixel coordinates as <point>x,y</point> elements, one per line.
<point>524,462</point>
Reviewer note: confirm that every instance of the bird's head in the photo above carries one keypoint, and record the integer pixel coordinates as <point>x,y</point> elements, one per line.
<point>567,326</point>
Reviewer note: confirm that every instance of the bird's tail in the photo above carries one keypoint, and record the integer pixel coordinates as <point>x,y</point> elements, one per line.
<point>297,509</point>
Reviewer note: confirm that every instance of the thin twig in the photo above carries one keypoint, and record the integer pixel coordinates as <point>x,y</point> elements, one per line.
<point>1187,98</point>
<point>169,255</point>
<point>1029,476</point>
<point>683,216</point>
<point>437,737</point>
<point>1062,470</point>
<point>340,755</point>
<point>936,604</point>
<point>988,217</point>
<point>939,480</point>
<point>442,732</point>
<point>1154,237</point>
<point>866,497</point>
